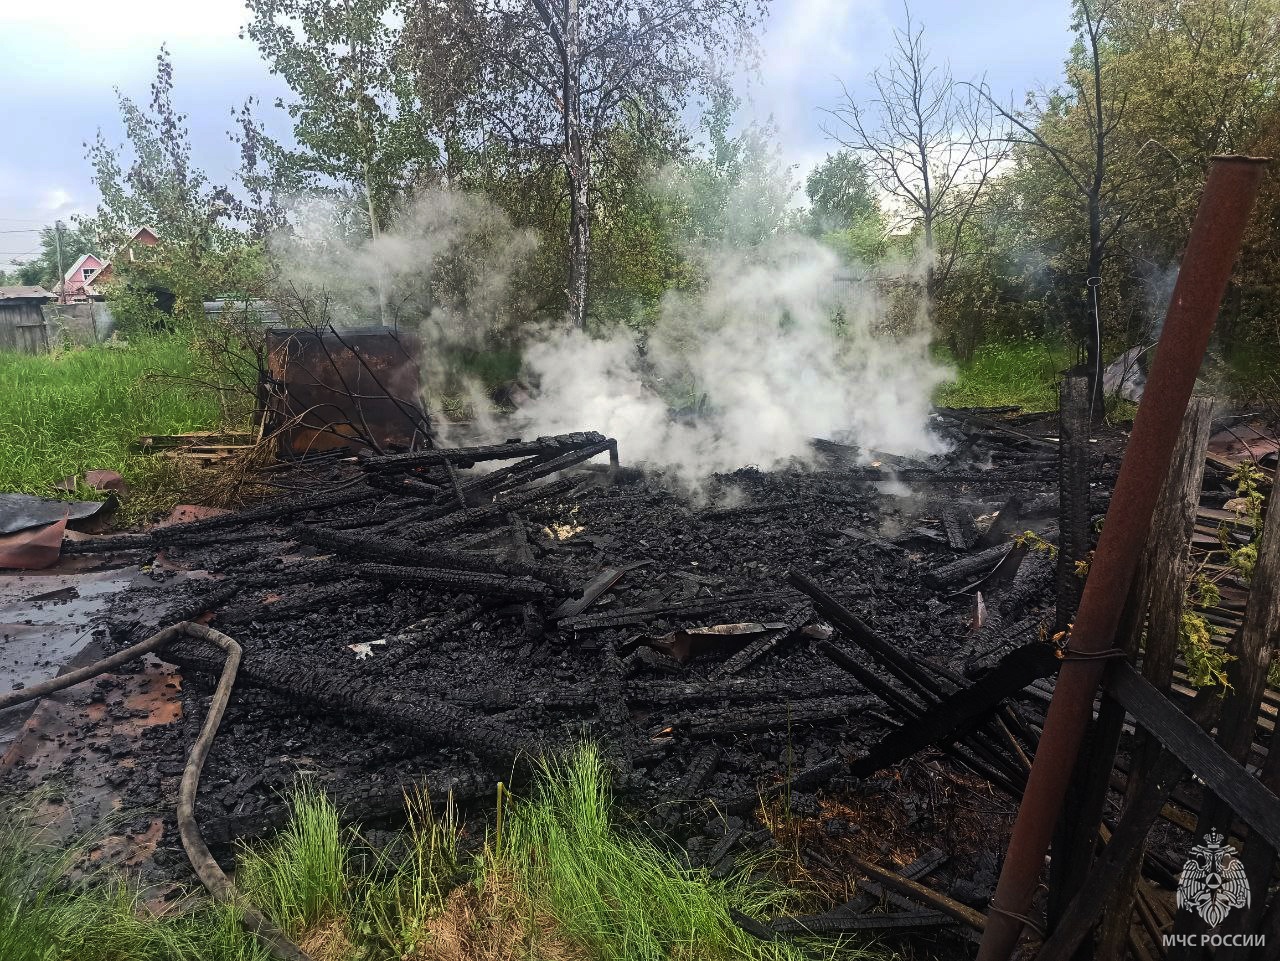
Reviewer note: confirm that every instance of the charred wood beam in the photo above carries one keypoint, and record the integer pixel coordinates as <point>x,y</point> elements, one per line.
<point>469,456</point>
<point>592,592</point>
<point>925,895</point>
<point>796,619</point>
<point>813,711</point>
<point>648,612</point>
<point>1245,794</point>
<point>415,486</point>
<point>346,694</point>
<point>465,582</point>
<point>952,717</point>
<point>751,690</point>
<point>968,567</point>
<point>1003,775</point>
<point>958,525</point>
<point>355,804</point>
<point>317,599</point>
<point>103,545</point>
<point>990,425</point>
<point>700,768</point>
<point>853,627</point>
<point>1006,524</point>
<point>545,468</point>
<point>476,515</point>
<point>265,514</point>
<point>407,553</point>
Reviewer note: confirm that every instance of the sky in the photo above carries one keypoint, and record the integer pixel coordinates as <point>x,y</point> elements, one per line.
<point>59,74</point>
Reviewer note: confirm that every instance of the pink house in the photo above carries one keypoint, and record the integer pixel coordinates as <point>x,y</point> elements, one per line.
<point>74,280</point>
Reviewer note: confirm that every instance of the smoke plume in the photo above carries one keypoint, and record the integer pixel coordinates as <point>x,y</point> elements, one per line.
<point>774,351</point>
<point>777,346</point>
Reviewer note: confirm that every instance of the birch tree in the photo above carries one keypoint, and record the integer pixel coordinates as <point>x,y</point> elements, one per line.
<point>550,78</point>
<point>356,117</point>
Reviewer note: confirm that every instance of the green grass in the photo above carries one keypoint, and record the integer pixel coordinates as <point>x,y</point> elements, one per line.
<point>300,880</point>
<point>614,894</point>
<point>1020,372</point>
<point>558,880</point>
<point>75,410</point>
<point>47,916</point>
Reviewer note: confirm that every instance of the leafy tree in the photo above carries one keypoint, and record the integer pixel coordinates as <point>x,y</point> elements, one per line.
<point>1202,78</point>
<point>359,125</point>
<point>155,184</point>
<point>843,209</point>
<point>42,270</point>
<point>551,80</point>
<point>739,193</point>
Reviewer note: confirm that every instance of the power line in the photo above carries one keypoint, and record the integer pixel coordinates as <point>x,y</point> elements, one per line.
<point>24,230</point>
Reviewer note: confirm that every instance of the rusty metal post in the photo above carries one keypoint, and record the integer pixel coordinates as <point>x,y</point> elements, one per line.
<point>1206,267</point>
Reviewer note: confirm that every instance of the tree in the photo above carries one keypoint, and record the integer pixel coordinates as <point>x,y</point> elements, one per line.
<point>152,182</point>
<point>843,209</point>
<point>930,145</point>
<point>840,192</point>
<point>356,117</point>
<point>1202,78</point>
<point>43,270</point>
<point>551,79</point>
<point>739,193</point>
<point>155,184</point>
<point>1076,130</point>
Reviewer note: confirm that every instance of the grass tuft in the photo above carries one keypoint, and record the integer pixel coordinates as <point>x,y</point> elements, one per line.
<point>300,880</point>
<point>563,883</point>
<point>48,914</point>
<point>616,896</point>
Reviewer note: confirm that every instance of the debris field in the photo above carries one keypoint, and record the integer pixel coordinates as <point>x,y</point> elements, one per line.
<point>451,615</point>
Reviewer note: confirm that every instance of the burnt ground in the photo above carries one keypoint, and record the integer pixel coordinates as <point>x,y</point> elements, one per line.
<point>730,744</point>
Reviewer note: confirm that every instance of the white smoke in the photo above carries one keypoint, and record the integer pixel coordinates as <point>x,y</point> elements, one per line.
<point>776,346</point>
<point>774,351</point>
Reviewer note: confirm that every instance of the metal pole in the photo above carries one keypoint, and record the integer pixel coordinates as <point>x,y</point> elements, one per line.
<point>57,233</point>
<point>1206,266</point>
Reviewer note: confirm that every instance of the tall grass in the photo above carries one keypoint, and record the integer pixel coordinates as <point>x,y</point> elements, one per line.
<point>74,410</point>
<point>300,879</point>
<point>614,894</point>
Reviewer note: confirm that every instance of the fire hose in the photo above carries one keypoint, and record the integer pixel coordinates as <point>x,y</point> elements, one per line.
<point>216,882</point>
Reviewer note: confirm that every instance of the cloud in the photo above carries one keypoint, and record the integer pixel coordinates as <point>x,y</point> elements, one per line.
<point>57,200</point>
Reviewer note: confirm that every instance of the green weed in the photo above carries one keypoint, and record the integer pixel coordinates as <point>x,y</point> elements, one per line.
<point>563,882</point>
<point>46,915</point>
<point>70,411</point>
<point>300,880</point>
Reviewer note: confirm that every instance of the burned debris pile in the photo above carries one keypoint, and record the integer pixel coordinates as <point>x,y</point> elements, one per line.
<point>452,614</point>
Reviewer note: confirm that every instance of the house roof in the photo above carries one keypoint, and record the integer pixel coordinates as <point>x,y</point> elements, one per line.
<point>24,293</point>
<point>75,268</point>
<point>149,230</point>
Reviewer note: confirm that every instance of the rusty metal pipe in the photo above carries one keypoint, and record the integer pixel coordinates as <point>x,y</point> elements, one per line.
<point>1202,280</point>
